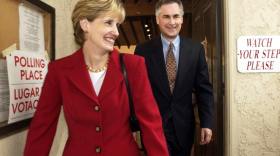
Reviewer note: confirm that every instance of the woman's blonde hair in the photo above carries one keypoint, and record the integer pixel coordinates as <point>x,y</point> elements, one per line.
<point>92,9</point>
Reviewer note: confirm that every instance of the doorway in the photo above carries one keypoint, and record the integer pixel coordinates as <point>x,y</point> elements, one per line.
<point>203,22</point>
<point>207,28</point>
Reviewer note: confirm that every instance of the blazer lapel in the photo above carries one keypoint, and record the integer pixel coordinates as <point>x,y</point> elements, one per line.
<point>159,64</point>
<point>79,76</point>
<point>113,77</point>
<point>184,61</point>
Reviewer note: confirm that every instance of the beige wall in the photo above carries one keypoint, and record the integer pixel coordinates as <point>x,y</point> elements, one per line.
<point>13,144</point>
<point>253,100</point>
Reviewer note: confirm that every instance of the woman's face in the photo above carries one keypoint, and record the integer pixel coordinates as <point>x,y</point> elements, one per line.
<point>102,33</point>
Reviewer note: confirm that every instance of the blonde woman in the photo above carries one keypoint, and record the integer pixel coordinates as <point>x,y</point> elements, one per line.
<point>90,86</point>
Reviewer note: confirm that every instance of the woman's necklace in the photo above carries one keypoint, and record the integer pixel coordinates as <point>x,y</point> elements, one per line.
<point>99,70</point>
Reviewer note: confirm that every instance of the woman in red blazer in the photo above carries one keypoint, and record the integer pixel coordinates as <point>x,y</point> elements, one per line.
<point>90,86</point>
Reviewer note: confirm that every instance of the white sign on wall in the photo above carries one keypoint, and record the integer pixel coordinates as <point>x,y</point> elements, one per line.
<point>31,30</point>
<point>257,54</point>
<point>26,72</point>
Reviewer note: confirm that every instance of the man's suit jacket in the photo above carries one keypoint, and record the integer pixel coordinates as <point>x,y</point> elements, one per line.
<point>192,73</point>
<point>68,83</point>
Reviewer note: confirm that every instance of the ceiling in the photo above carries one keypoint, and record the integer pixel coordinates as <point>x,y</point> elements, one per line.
<point>140,22</point>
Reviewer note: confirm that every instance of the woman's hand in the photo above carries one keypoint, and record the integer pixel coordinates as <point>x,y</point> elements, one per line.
<point>134,135</point>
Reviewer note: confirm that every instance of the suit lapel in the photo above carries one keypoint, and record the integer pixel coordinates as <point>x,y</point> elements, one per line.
<point>184,61</point>
<point>113,77</point>
<point>79,75</point>
<point>159,64</point>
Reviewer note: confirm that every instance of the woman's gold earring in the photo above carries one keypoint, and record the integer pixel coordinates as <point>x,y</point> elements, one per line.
<point>86,31</point>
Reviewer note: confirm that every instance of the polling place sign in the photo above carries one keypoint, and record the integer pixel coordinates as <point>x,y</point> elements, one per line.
<point>26,73</point>
<point>256,54</point>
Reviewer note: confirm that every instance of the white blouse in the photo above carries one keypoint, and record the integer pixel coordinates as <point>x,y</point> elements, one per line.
<point>97,80</point>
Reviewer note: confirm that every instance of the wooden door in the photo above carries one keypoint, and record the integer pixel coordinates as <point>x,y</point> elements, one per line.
<point>207,27</point>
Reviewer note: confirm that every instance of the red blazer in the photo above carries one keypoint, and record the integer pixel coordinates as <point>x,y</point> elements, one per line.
<point>96,123</point>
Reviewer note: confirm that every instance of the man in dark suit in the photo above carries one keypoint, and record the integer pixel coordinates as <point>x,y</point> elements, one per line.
<point>174,70</point>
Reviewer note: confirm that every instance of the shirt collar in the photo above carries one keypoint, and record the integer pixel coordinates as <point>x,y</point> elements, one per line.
<point>166,43</point>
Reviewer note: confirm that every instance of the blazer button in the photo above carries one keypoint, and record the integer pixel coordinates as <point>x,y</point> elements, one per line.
<point>166,119</point>
<point>96,108</point>
<point>98,150</point>
<point>97,128</point>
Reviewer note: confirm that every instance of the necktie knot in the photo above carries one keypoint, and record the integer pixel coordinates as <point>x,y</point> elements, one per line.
<point>171,45</point>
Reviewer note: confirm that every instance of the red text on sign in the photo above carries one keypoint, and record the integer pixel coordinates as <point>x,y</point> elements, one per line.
<point>26,93</point>
<point>31,75</point>
<point>260,65</point>
<point>271,53</point>
<point>29,62</point>
<point>249,54</point>
<point>24,106</point>
<point>259,42</point>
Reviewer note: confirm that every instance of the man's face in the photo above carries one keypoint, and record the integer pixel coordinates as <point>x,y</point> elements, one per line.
<point>170,21</point>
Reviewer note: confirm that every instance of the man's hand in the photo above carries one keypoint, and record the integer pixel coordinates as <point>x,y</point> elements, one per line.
<point>206,135</point>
